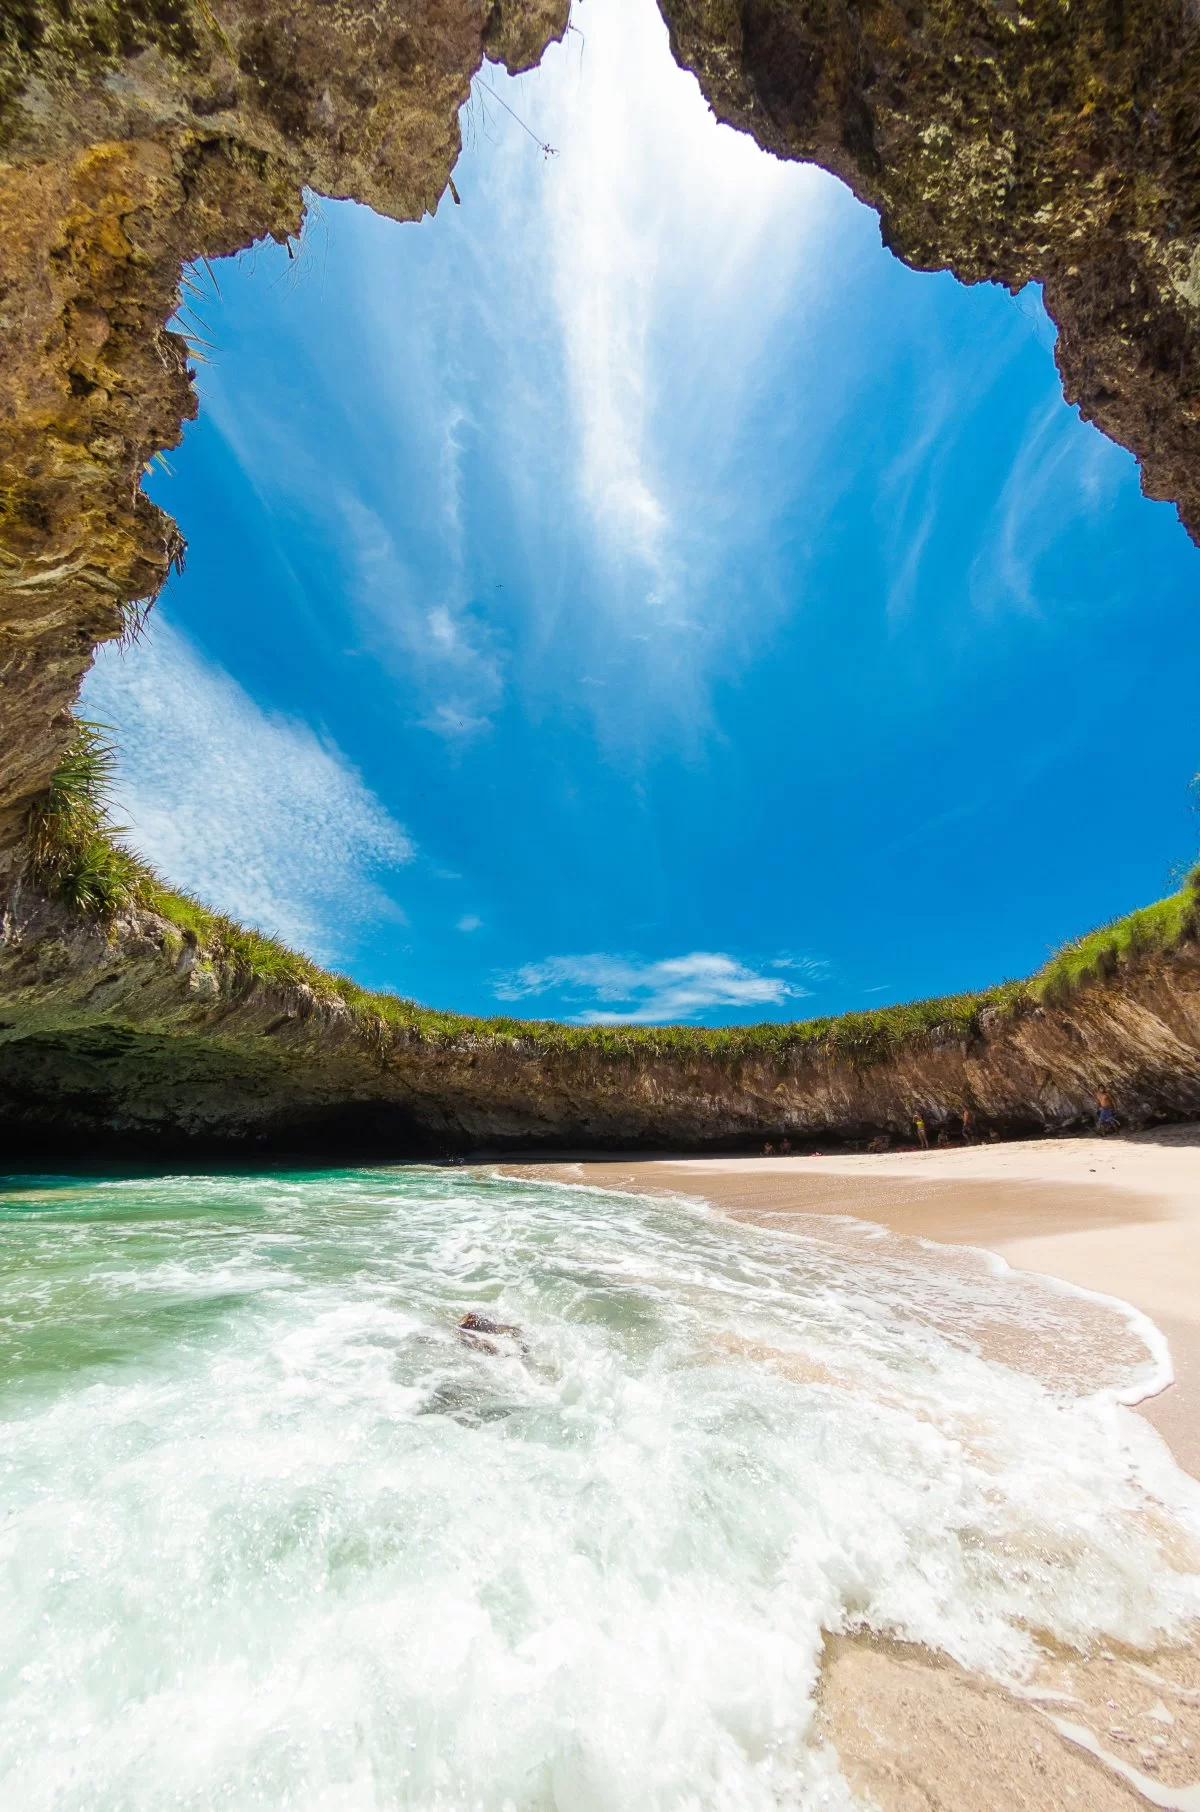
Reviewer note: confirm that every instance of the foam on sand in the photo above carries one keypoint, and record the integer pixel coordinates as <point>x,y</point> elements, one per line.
<point>275,1534</point>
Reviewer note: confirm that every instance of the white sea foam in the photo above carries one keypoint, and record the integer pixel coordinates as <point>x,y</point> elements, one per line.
<point>274,1536</point>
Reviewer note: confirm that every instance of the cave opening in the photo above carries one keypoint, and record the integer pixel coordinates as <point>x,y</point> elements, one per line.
<point>624,594</point>
<point>630,596</point>
<point>632,593</point>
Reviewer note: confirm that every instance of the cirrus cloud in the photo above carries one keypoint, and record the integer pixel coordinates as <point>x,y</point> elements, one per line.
<point>245,807</point>
<point>640,993</point>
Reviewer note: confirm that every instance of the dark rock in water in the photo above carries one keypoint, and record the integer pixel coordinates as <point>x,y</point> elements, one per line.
<point>475,1330</point>
<point>479,1341</point>
<point>482,1325</point>
<point>466,1407</point>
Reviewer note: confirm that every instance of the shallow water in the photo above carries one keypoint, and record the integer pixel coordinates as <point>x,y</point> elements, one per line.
<point>274,1536</point>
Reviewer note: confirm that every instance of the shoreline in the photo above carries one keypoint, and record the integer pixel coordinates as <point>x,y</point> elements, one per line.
<point>1116,1218</point>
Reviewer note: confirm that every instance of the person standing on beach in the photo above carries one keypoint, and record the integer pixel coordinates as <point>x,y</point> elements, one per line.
<point>1106,1113</point>
<point>922,1135</point>
<point>968,1126</point>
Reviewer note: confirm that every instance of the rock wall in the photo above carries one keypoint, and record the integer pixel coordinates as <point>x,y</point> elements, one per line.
<point>133,1039</point>
<point>136,135</point>
<point>1010,139</point>
<point>1017,140</point>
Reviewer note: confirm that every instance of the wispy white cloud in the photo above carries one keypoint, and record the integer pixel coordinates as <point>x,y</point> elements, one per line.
<point>916,488</point>
<point>675,257</point>
<point>470,921</point>
<point>563,322</point>
<point>660,225</point>
<point>638,993</point>
<point>813,968</point>
<point>373,465</point>
<point>447,651</point>
<point>246,808</point>
<point>1059,462</point>
<point>910,495</point>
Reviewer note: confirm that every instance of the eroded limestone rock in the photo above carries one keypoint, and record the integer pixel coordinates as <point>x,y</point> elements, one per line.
<point>136,135</point>
<point>1017,140</point>
<point>116,1036</point>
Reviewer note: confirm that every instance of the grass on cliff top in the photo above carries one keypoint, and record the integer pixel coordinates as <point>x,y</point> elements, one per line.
<point>74,852</point>
<point>1099,954</point>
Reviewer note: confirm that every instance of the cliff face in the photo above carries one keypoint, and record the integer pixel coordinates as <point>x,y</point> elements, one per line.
<point>136,135</point>
<point>133,1039</point>
<point>1009,139</point>
<point>1013,139</point>
<point>1056,140</point>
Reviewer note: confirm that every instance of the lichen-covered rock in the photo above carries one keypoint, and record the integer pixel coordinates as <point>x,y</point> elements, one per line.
<point>136,135</point>
<point>91,385</point>
<point>1017,140</point>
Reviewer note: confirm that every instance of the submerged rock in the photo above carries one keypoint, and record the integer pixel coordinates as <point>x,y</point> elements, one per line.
<point>499,1338</point>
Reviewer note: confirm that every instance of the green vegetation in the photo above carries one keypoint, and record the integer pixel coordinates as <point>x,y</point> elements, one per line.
<point>75,853</point>
<point>1098,954</point>
<point>73,847</point>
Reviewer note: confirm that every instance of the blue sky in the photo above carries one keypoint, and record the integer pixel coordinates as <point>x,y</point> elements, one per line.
<point>632,593</point>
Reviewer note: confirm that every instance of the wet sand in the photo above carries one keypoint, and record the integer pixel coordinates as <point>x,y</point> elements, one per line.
<point>1121,1217</point>
<point>1108,1732</point>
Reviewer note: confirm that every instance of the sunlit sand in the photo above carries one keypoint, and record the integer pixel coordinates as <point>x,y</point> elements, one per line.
<point>1118,1218</point>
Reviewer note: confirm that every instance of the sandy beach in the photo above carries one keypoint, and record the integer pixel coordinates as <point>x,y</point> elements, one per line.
<point>1119,1217</point>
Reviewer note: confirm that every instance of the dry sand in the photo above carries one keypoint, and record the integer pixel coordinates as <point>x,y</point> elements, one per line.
<point>1117,1216</point>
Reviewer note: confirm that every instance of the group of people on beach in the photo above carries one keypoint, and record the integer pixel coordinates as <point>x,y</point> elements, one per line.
<point>967,1131</point>
<point>971,1133</point>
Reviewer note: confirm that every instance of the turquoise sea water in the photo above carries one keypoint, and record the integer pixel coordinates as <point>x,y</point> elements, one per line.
<point>273,1535</point>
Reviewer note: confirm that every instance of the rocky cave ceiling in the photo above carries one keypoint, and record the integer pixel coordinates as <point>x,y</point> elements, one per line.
<point>1013,140</point>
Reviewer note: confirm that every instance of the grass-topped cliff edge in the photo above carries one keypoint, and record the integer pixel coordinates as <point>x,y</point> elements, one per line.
<point>75,854</point>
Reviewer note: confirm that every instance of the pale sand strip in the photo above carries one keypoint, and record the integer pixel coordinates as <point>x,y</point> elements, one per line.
<point>1103,1733</point>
